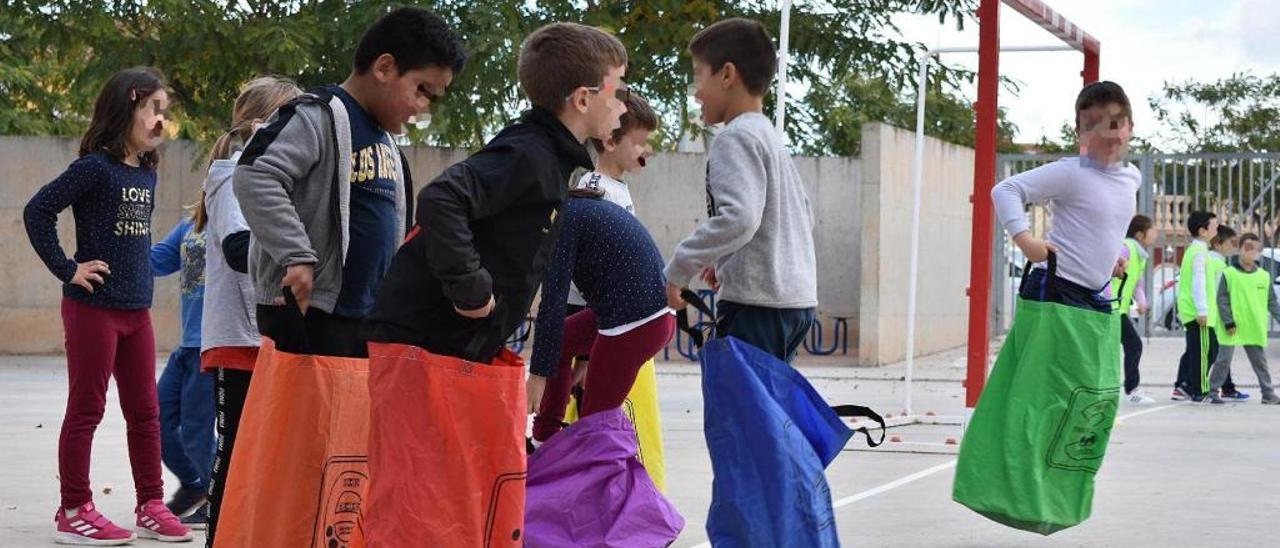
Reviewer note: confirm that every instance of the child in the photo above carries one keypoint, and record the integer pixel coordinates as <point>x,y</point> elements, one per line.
<point>1139,237</point>
<point>106,296</point>
<point>325,191</point>
<point>1245,319</point>
<point>623,152</point>
<point>185,393</point>
<point>1093,201</point>
<point>617,265</point>
<point>757,245</point>
<point>1195,310</point>
<point>465,281</point>
<point>1225,244</point>
<point>229,342</point>
<point>1010,464</point>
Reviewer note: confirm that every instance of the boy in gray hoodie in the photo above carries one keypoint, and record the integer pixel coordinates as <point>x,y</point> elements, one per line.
<point>756,249</point>
<point>326,193</point>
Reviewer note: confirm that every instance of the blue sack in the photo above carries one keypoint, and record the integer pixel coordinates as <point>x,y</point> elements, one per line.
<point>771,437</point>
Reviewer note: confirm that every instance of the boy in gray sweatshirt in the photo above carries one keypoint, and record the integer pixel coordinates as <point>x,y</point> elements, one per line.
<point>756,248</point>
<point>326,192</point>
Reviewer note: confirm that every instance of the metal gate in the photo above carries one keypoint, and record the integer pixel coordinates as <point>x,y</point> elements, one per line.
<point>1239,188</point>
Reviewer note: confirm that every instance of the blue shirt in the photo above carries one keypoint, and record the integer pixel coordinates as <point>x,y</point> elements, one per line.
<point>374,241</point>
<point>614,262</point>
<point>111,202</point>
<point>183,250</point>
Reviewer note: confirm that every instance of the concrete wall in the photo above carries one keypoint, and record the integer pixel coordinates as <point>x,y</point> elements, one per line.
<point>670,197</point>
<point>945,234</point>
<point>862,207</point>
<point>30,318</point>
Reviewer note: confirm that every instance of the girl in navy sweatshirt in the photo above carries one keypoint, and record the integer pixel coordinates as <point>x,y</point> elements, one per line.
<point>610,256</point>
<point>107,291</point>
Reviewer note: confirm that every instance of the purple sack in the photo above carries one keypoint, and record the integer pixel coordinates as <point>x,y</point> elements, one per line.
<point>587,488</point>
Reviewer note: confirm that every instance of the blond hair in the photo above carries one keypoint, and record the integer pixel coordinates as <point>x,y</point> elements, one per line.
<point>258,99</point>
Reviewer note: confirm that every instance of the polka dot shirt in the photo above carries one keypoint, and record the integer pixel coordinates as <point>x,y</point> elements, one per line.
<point>112,203</point>
<point>612,259</point>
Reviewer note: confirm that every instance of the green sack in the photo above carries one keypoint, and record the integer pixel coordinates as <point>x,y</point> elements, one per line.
<point>1040,430</point>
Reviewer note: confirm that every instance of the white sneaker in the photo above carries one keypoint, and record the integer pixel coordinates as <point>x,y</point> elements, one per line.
<point>1139,398</point>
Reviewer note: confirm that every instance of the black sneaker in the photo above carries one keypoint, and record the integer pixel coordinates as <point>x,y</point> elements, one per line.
<point>198,520</point>
<point>186,501</point>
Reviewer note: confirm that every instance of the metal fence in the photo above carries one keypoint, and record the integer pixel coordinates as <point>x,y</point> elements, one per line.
<point>1239,188</point>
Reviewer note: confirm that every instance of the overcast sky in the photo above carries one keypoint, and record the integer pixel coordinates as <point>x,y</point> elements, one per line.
<point>1144,43</point>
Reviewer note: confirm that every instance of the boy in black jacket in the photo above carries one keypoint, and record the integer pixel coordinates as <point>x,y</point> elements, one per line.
<point>465,278</point>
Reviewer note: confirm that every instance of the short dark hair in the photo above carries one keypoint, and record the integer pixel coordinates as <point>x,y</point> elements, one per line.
<point>1139,223</point>
<point>124,92</point>
<point>1225,234</point>
<point>1249,237</point>
<point>561,57</point>
<point>745,43</point>
<point>639,115</point>
<point>1199,220</point>
<point>415,37</point>
<point>1102,93</point>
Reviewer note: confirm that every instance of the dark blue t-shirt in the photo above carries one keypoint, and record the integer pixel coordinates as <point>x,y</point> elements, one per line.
<point>111,202</point>
<point>374,161</point>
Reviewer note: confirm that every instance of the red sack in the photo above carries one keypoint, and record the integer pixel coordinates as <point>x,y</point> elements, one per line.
<point>299,470</point>
<point>446,450</point>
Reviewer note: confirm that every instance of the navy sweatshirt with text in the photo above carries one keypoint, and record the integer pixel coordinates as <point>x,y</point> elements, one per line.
<point>111,202</point>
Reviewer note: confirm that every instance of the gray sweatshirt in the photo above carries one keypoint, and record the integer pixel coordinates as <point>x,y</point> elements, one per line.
<point>759,234</point>
<point>1091,207</point>
<point>293,182</point>
<point>229,311</point>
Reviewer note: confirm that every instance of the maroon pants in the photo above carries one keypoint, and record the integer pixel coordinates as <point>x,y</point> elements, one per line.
<point>102,342</point>
<point>615,361</point>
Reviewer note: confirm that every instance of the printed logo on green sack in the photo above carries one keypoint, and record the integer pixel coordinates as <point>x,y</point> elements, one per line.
<point>339,514</point>
<point>1081,439</point>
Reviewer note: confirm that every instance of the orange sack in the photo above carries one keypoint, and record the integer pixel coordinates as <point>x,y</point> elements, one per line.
<point>299,472</point>
<point>446,450</point>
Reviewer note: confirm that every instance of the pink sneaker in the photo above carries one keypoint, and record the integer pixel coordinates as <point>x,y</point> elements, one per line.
<point>89,528</point>
<point>155,521</point>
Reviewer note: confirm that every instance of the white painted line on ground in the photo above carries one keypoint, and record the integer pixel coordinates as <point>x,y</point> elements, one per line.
<point>935,469</point>
<point>1152,410</point>
<point>894,484</point>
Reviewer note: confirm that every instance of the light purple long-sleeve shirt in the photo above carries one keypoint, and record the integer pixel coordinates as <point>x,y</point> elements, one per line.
<point>1090,206</point>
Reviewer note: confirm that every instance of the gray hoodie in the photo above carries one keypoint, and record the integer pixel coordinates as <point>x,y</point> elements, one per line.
<point>294,186</point>
<point>229,311</point>
<point>759,234</point>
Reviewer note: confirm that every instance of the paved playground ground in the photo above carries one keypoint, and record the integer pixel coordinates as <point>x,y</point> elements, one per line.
<point>1175,474</point>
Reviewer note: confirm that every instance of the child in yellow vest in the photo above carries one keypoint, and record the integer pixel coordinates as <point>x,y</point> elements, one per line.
<point>1246,303</point>
<point>1196,311</point>
<point>1225,244</point>
<point>1139,238</point>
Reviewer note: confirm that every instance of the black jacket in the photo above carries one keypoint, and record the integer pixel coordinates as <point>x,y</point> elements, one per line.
<point>486,226</point>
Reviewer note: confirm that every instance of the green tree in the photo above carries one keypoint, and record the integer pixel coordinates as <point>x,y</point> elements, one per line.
<point>56,53</point>
<point>1233,114</point>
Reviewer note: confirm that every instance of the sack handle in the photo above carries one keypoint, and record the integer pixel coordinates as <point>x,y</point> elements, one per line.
<point>294,316</point>
<point>682,316</point>
<point>862,412</point>
<point>1050,276</point>
<point>699,339</point>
